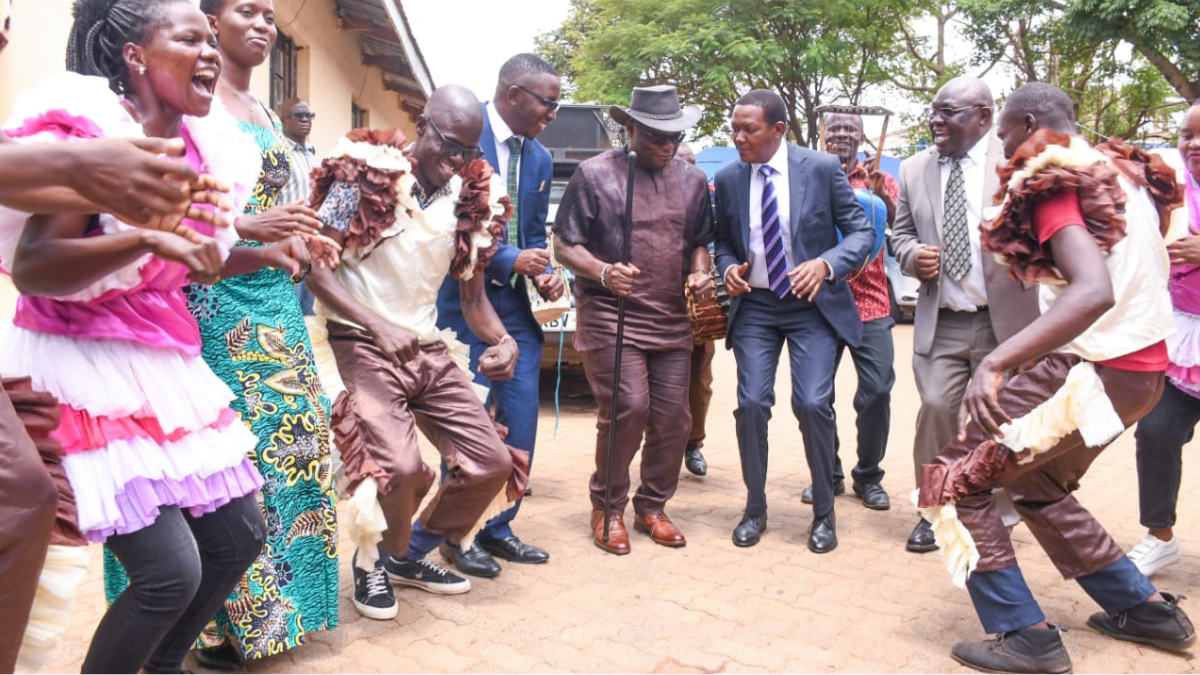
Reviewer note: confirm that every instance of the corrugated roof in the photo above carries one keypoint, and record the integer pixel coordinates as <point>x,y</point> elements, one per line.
<point>388,44</point>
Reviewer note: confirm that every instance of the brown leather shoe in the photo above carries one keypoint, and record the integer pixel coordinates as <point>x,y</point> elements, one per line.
<point>660,528</point>
<point>618,536</point>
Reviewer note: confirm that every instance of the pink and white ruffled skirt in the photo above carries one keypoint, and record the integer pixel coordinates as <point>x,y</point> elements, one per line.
<point>142,427</point>
<point>1183,348</point>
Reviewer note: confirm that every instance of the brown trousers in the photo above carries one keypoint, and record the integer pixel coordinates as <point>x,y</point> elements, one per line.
<point>376,427</point>
<point>653,406</point>
<point>700,390</point>
<point>1042,489</point>
<point>27,511</point>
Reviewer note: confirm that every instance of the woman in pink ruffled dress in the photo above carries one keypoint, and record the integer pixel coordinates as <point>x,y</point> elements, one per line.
<point>156,458</point>
<point>1162,433</point>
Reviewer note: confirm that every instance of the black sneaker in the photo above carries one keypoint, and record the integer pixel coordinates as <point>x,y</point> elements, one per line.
<point>425,575</point>
<point>373,595</point>
<point>1161,624</point>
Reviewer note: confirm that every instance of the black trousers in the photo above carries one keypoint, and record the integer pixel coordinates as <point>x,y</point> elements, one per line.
<point>874,361</point>
<point>1160,437</point>
<point>181,569</point>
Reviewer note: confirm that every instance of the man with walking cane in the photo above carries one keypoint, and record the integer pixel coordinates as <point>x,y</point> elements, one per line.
<point>633,226</point>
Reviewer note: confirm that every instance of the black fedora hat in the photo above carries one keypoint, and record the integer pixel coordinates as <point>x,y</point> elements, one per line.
<point>657,108</point>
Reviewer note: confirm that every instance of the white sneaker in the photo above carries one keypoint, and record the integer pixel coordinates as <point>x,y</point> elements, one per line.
<point>1153,554</point>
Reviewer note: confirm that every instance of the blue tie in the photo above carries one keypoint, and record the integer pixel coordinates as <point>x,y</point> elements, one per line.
<point>773,237</point>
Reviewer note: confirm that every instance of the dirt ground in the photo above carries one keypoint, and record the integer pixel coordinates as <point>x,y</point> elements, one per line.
<point>712,607</point>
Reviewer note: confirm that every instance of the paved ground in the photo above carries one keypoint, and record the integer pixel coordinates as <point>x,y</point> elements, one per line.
<point>711,607</point>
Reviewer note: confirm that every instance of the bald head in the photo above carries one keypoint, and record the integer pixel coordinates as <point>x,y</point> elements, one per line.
<point>960,115</point>
<point>447,135</point>
<point>297,119</point>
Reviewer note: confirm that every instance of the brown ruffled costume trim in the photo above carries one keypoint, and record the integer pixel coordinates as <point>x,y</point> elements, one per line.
<point>1101,200</point>
<point>1010,235</point>
<point>377,187</point>
<point>1150,172</point>
<point>473,209</point>
<point>39,414</point>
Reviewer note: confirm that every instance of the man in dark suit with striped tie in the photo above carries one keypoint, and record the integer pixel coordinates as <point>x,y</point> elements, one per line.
<point>778,214</point>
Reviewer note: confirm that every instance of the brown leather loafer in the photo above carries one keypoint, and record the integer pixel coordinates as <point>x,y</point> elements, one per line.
<point>660,528</point>
<point>618,536</point>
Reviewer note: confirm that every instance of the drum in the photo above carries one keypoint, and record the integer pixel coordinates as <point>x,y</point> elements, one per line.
<point>708,317</point>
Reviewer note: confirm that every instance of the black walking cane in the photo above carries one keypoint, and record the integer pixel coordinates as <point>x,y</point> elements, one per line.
<point>626,236</point>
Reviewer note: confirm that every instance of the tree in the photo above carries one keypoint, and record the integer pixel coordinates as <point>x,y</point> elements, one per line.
<point>1165,32</point>
<point>1114,91</point>
<point>714,50</point>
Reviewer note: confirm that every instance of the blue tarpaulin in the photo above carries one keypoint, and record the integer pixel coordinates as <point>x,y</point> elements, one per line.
<point>710,160</point>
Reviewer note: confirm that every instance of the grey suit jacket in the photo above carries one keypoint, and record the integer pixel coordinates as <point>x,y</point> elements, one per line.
<point>919,221</point>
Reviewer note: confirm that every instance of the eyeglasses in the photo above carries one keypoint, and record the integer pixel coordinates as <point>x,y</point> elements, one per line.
<point>948,113</point>
<point>452,148</point>
<point>303,115</point>
<point>661,139</point>
<point>551,106</point>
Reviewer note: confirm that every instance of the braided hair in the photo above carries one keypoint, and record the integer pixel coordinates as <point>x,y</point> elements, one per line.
<point>101,30</point>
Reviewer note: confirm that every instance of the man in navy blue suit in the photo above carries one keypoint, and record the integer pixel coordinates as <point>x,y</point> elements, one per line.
<point>525,102</point>
<point>778,213</point>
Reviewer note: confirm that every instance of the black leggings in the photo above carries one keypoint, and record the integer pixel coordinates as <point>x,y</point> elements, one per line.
<point>181,569</point>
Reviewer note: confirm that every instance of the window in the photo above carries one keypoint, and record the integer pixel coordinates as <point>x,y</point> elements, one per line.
<point>283,70</point>
<point>359,117</point>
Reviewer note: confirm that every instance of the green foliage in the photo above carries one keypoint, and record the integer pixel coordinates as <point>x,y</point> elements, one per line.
<point>1165,32</point>
<point>714,50</point>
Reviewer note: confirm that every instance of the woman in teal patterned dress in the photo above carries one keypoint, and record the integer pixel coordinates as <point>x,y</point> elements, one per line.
<point>255,339</point>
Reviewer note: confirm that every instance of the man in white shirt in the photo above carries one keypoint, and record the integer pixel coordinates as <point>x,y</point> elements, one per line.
<point>967,302</point>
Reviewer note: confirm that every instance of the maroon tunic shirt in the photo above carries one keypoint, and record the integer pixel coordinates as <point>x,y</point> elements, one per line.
<point>671,217</point>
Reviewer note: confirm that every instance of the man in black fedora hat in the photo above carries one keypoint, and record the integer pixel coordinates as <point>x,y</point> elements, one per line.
<point>671,228</point>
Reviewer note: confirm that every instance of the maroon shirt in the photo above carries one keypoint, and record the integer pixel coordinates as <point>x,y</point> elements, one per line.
<point>671,217</point>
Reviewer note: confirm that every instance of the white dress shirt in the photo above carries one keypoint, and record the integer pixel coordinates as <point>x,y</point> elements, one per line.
<point>757,276</point>
<point>502,133</point>
<point>970,293</point>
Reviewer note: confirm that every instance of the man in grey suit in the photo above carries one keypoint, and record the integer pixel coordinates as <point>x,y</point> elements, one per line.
<point>968,303</point>
<point>778,214</point>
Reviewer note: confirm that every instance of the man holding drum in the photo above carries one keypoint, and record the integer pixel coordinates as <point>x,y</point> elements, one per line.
<point>634,297</point>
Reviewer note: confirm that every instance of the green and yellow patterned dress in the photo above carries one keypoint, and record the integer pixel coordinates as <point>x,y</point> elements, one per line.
<point>254,338</point>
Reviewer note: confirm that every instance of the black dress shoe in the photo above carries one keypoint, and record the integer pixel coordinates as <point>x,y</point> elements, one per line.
<point>839,488</point>
<point>822,536</point>
<point>921,540</point>
<point>873,496</point>
<point>749,531</point>
<point>474,561</point>
<point>513,550</point>
<point>693,459</point>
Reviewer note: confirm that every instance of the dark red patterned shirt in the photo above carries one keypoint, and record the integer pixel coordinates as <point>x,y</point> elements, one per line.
<point>869,285</point>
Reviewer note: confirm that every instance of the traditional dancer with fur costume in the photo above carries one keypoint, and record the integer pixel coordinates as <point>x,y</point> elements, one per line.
<point>1084,224</point>
<point>408,218</point>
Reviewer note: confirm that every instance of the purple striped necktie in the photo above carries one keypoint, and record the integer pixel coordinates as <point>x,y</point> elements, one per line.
<point>773,237</point>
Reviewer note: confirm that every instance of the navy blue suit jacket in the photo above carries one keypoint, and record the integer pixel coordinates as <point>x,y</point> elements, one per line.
<point>821,203</point>
<point>533,204</point>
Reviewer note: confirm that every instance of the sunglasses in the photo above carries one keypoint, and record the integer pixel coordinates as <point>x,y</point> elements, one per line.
<point>947,113</point>
<point>452,148</point>
<point>660,139</point>
<point>303,115</point>
<point>551,106</point>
